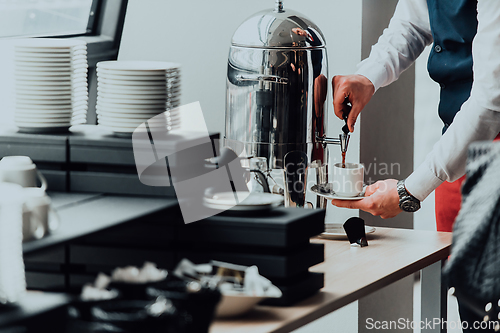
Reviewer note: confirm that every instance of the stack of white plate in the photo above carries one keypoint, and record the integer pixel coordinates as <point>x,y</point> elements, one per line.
<point>130,93</point>
<point>51,84</point>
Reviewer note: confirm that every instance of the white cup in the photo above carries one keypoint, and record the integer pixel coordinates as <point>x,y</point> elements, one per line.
<point>39,218</point>
<point>348,181</point>
<point>12,277</point>
<point>20,170</point>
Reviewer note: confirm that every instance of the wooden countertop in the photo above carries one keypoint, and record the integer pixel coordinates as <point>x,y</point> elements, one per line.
<point>350,273</point>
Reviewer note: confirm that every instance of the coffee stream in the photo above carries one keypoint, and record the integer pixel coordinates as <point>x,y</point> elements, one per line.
<point>343,159</point>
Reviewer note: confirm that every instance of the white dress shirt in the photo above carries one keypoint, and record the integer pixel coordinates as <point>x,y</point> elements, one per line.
<point>400,44</point>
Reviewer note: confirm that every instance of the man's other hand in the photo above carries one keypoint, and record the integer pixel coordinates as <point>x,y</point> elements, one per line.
<point>381,199</point>
<point>358,89</point>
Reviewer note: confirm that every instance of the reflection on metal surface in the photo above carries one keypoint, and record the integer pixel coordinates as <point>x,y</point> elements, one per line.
<point>277,83</point>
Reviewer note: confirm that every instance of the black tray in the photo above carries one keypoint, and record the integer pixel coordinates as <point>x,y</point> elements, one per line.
<point>281,227</point>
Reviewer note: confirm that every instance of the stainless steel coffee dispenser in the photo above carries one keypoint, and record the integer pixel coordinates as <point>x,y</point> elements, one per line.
<point>277,83</point>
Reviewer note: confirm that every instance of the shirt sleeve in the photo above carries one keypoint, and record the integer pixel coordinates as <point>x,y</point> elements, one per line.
<point>479,117</point>
<point>401,43</point>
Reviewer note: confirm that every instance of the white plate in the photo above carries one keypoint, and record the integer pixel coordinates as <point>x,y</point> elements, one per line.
<point>129,130</point>
<point>75,88</point>
<point>41,98</point>
<point>48,50</point>
<point>130,121</point>
<point>49,56</point>
<point>142,115</point>
<point>36,112</point>
<point>131,77</point>
<point>39,64</point>
<point>51,84</point>
<point>154,84</point>
<point>47,94</point>
<point>336,231</point>
<point>121,96</point>
<point>125,120</point>
<point>163,73</point>
<point>50,53</point>
<point>23,78</point>
<point>70,102</point>
<point>126,112</point>
<point>52,43</point>
<point>29,75</point>
<point>45,120</point>
<point>38,115</point>
<point>124,88</point>
<point>137,65</point>
<point>36,125</point>
<point>50,107</point>
<point>49,70</point>
<point>42,113</point>
<point>73,60</point>
<point>131,92</point>
<point>51,73</point>
<point>119,102</point>
<point>136,107</point>
<point>332,196</point>
<point>131,125</point>
<point>123,108</point>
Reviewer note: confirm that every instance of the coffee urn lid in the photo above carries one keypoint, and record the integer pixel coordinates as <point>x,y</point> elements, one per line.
<point>278,28</point>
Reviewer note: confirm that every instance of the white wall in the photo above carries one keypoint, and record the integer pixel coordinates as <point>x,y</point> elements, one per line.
<point>6,83</point>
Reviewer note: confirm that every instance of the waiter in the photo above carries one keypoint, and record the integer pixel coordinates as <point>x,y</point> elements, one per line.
<point>465,61</point>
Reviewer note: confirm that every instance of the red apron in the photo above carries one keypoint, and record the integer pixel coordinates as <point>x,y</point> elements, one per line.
<point>448,201</point>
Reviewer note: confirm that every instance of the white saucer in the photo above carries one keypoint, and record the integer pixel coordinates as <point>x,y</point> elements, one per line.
<point>247,201</point>
<point>332,196</point>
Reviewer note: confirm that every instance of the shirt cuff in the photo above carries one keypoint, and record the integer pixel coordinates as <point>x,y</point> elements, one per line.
<point>373,71</point>
<point>422,182</point>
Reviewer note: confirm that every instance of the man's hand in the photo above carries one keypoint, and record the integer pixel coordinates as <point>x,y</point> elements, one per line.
<point>358,89</point>
<point>381,199</point>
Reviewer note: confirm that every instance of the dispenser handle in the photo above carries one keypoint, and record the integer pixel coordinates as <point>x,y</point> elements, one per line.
<point>345,114</point>
<point>262,78</point>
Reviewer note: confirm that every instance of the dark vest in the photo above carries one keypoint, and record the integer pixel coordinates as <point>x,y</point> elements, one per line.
<point>453,25</point>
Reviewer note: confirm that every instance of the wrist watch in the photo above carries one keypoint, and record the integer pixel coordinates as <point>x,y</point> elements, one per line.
<point>407,202</point>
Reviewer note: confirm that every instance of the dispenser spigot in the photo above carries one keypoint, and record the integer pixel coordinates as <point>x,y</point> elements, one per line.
<point>343,141</point>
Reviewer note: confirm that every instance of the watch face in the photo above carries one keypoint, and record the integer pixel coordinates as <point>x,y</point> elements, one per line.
<point>410,206</point>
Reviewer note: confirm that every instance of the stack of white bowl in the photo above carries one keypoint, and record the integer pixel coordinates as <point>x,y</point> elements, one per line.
<point>51,84</point>
<point>130,93</point>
